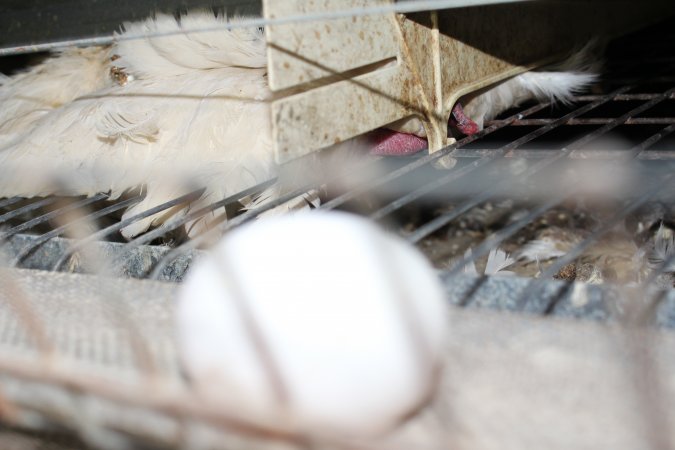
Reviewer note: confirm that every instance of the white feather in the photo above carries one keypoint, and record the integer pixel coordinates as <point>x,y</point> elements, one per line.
<point>497,261</point>
<point>662,250</point>
<point>557,84</point>
<point>194,101</point>
<point>540,250</point>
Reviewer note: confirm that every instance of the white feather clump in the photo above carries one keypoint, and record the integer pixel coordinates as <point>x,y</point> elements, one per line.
<point>559,83</point>
<point>662,250</point>
<point>27,97</point>
<point>350,319</point>
<point>498,260</point>
<point>556,84</point>
<point>191,105</point>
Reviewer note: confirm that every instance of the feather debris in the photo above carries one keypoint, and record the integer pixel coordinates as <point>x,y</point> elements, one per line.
<point>497,261</point>
<point>662,250</point>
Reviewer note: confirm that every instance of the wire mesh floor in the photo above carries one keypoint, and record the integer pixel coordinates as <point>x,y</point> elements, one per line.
<point>499,189</point>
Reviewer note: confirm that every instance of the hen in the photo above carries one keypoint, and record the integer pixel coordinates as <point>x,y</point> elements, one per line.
<point>164,111</point>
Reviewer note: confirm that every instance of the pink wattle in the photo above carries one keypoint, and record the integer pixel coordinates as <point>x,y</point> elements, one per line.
<point>393,143</point>
<point>460,121</point>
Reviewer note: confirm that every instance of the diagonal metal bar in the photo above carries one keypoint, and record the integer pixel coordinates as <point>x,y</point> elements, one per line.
<point>426,160</point>
<point>535,286</point>
<point>63,228</point>
<point>500,236</point>
<point>26,209</point>
<point>118,226</point>
<point>51,215</point>
<point>445,219</point>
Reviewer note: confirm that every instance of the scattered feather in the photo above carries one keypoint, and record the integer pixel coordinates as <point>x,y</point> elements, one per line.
<point>662,251</point>
<point>497,261</point>
<point>539,250</point>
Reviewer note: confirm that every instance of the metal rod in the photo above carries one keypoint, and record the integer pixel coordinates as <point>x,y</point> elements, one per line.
<point>10,201</point>
<point>625,97</point>
<point>51,215</point>
<point>425,160</point>
<point>239,220</point>
<point>62,229</point>
<point>441,221</point>
<point>402,6</point>
<point>26,209</point>
<point>124,223</point>
<point>536,285</point>
<point>500,236</point>
<point>172,225</point>
<point>598,121</point>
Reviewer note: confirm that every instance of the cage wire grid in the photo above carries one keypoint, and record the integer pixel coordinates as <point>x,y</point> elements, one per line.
<point>637,93</point>
<point>500,140</point>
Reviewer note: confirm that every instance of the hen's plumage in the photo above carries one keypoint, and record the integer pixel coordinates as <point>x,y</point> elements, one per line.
<point>165,111</point>
<point>196,103</point>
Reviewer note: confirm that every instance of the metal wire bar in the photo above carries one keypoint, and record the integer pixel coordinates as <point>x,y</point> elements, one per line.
<point>402,6</point>
<point>621,120</point>
<point>10,201</point>
<point>26,209</point>
<point>398,203</point>
<point>427,188</point>
<point>632,80</point>
<point>443,220</point>
<point>425,160</point>
<point>596,121</point>
<point>170,226</point>
<point>239,220</point>
<point>60,230</point>
<point>118,226</point>
<point>500,236</point>
<point>545,153</point>
<point>51,215</point>
<point>640,149</point>
<point>179,403</point>
<point>531,290</point>
<point>636,151</point>
<point>620,98</point>
<point>494,240</point>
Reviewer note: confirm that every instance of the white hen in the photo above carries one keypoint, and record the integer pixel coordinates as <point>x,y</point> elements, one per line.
<point>161,111</point>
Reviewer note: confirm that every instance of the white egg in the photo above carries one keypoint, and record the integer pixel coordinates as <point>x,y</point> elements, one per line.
<point>316,321</point>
